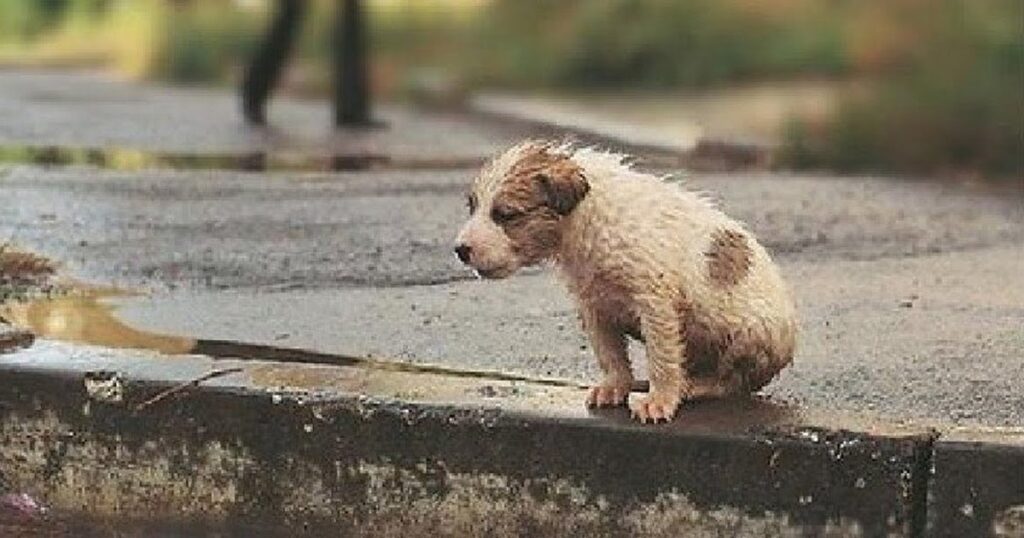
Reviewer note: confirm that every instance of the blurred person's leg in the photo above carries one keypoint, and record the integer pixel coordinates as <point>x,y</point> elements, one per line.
<point>266,66</point>
<point>351,94</point>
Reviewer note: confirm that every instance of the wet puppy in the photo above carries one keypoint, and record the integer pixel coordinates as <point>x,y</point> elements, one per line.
<point>644,258</point>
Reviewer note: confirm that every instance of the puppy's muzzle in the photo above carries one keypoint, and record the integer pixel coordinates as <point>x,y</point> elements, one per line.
<point>463,252</point>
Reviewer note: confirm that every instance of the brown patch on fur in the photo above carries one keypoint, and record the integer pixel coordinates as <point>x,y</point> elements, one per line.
<point>560,181</point>
<point>534,236</point>
<point>729,257</point>
<point>540,188</point>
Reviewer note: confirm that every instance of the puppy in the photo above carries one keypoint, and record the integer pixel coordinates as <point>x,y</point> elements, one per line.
<point>644,259</point>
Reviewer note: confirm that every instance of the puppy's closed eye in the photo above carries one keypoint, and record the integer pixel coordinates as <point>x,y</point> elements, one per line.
<point>471,203</point>
<point>502,214</point>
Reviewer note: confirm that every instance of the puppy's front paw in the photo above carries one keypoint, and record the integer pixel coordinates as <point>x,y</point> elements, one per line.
<point>608,395</point>
<point>655,407</point>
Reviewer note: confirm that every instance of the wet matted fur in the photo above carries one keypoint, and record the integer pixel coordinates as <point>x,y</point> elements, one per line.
<point>644,258</point>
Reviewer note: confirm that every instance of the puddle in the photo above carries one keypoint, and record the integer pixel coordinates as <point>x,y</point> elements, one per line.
<point>126,159</point>
<point>89,318</point>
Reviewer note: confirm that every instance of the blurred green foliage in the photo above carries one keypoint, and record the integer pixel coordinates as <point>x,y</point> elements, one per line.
<point>567,43</point>
<point>946,76</point>
<point>652,43</point>
<point>204,42</point>
<point>22,20</point>
<point>957,106</point>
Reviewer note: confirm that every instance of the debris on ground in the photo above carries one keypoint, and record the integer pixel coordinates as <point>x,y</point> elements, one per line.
<point>23,515</point>
<point>186,385</point>
<point>12,339</point>
<point>21,505</point>
<point>17,265</point>
<point>22,273</point>
<point>104,386</point>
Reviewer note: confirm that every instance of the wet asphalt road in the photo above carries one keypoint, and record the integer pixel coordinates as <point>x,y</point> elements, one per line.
<point>220,230</point>
<point>910,292</point>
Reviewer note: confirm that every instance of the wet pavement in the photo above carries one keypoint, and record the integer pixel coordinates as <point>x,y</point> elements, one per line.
<point>911,302</point>
<point>92,110</point>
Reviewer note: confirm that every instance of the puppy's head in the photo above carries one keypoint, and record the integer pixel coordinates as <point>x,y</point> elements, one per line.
<point>517,206</point>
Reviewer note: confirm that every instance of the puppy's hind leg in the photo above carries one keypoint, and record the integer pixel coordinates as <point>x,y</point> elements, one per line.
<point>612,352</point>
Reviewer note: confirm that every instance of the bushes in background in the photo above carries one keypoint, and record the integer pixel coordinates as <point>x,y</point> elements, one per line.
<point>955,106</point>
<point>652,43</point>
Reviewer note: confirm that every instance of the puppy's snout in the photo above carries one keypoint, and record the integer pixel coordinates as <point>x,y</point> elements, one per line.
<point>463,251</point>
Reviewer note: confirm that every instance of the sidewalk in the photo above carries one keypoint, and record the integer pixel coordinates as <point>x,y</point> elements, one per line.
<point>910,325</point>
<point>84,109</point>
<point>674,121</point>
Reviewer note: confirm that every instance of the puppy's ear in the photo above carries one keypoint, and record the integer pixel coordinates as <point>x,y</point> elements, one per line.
<point>563,187</point>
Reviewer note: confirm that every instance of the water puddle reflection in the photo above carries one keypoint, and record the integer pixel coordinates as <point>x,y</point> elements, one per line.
<point>87,319</point>
<point>255,161</point>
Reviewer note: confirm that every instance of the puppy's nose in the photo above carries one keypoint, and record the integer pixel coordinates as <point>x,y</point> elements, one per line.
<point>462,251</point>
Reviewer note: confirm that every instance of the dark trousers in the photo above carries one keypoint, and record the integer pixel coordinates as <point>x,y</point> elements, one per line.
<point>351,95</point>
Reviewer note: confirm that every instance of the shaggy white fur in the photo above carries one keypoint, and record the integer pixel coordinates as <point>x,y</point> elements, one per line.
<point>645,258</point>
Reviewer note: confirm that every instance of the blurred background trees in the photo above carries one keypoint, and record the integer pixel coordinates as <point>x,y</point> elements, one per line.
<point>940,83</point>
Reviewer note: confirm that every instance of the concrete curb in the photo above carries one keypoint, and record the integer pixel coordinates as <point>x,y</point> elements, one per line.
<point>977,489</point>
<point>358,449</point>
<point>227,459</point>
